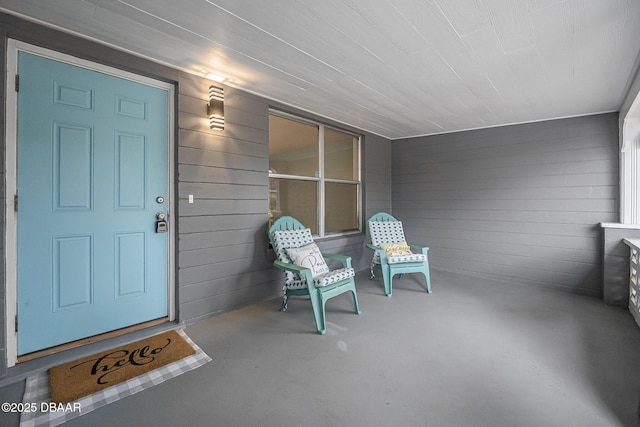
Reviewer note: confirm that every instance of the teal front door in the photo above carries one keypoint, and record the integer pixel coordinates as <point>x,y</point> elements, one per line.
<point>91,177</point>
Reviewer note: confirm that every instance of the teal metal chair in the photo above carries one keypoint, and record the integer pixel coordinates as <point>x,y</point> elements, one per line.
<point>392,254</point>
<point>306,272</point>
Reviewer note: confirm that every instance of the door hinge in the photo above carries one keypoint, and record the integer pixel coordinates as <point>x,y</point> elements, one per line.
<point>16,323</point>
<point>17,83</point>
<point>15,202</point>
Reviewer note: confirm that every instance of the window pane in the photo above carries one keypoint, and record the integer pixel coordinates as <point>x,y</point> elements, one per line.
<point>295,198</point>
<point>341,155</point>
<point>341,212</point>
<point>293,147</point>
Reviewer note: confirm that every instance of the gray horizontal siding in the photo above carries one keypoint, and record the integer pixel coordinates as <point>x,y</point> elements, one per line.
<point>517,203</point>
<point>223,259</point>
<point>377,187</point>
<point>377,176</point>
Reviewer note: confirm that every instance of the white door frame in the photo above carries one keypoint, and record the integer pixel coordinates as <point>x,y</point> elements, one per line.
<point>11,225</point>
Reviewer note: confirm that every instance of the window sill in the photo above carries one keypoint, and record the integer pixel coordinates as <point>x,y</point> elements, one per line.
<point>619,225</point>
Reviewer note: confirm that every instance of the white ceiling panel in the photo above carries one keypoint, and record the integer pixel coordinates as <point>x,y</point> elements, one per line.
<point>397,68</point>
<point>465,16</point>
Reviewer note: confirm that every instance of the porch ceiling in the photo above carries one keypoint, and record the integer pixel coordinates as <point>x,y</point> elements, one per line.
<point>394,68</point>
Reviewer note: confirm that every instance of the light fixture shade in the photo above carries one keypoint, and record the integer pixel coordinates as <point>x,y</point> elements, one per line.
<point>215,108</point>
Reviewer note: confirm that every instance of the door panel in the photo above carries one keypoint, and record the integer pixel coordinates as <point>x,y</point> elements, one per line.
<point>92,158</point>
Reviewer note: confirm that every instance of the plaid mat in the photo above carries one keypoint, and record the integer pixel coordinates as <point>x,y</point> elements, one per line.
<point>36,393</point>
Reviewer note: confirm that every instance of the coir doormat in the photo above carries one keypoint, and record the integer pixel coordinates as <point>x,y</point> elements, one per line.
<point>42,412</point>
<point>88,375</point>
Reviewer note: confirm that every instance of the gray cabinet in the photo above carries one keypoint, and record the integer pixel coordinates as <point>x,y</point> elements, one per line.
<point>634,277</point>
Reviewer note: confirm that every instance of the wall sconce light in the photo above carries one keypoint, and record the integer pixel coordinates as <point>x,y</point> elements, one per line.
<point>215,108</point>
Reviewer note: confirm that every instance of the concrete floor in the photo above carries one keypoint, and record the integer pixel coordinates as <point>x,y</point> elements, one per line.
<point>473,353</point>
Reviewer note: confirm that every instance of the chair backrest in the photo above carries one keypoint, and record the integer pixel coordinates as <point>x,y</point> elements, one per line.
<point>287,233</point>
<point>382,216</point>
<point>284,223</point>
<point>384,228</point>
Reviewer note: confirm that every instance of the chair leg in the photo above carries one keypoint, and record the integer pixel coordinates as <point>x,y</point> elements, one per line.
<point>355,301</point>
<point>317,303</point>
<point>387,277</point>
<point>427,277</point>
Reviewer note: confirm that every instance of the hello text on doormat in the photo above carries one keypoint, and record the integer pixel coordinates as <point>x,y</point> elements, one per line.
<point>88,375</point>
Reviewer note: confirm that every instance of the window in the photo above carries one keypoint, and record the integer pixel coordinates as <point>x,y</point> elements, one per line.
<point>314,175</point>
